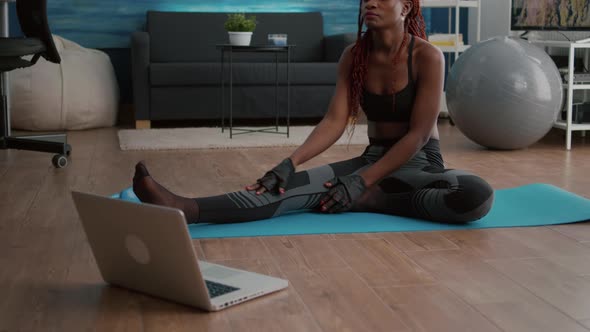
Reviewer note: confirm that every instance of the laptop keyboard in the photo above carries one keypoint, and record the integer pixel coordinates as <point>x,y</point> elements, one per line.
<point>217,289</point>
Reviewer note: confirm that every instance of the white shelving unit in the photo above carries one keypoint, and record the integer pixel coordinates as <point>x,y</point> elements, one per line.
<point>570,85</point>
<point>458,48</point>
<point>456,5</point>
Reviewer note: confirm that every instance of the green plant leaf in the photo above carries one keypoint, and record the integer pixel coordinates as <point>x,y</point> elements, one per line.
<point>240,23</point>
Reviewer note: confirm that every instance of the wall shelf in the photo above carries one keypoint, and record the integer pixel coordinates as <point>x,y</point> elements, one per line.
<point>449,3</point>
<point>578,86</point>
<point>451,49</point>
<point>456,5</point>
<point>575,126</point>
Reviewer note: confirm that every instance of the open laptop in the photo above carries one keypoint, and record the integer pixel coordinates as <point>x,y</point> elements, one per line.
<point>147,248</point>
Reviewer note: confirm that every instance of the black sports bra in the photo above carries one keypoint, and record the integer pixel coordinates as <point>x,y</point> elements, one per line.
<point>381,107</point>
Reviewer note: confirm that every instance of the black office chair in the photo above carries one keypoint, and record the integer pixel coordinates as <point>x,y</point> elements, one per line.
<point>38,42</point>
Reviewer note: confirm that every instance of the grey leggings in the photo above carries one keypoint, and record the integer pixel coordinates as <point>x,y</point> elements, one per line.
<point>422,188</point>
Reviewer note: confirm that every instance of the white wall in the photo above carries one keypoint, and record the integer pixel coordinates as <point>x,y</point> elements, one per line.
<point>495,19</point>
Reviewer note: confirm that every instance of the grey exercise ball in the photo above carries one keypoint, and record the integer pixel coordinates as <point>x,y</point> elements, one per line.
<point>504,93</point>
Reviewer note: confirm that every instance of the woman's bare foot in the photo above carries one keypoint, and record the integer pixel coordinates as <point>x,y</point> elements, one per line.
<point>149,191</point>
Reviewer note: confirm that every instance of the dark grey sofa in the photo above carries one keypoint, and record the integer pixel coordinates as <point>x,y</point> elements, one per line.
<point>176,67</point>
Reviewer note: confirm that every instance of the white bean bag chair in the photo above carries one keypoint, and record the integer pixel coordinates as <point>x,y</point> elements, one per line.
<point>79,93</point>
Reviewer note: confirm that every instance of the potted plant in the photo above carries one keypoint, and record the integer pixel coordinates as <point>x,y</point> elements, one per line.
<point>240,28</point>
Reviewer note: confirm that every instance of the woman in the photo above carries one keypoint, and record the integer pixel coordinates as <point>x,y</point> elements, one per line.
<point>396,77</point>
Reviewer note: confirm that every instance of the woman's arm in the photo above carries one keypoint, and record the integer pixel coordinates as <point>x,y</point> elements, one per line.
<point>430,81</point>
<point>332,126</point>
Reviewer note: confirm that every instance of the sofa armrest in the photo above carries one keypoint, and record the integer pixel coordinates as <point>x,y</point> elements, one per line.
<point>140,62</point>
<point>334,45</point>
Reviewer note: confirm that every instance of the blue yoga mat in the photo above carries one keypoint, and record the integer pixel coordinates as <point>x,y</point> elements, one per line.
<point>530,205</point>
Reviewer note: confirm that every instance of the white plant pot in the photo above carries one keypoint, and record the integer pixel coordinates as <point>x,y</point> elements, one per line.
<point>240,38</point>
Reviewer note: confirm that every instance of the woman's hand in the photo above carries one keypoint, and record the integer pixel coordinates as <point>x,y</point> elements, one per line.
<point>344,192</point>
<point>275,180</point>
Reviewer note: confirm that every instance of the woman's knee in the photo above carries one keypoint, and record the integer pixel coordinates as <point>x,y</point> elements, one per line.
<point>471,200</point>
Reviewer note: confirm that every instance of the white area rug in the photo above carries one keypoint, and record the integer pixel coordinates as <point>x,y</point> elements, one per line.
<point>213,138</point>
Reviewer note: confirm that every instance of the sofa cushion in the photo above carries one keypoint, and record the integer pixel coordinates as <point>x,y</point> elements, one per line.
<point>250,102</point>
<point>182,73</point>
<point>192,36</point>
<point>334,45</point>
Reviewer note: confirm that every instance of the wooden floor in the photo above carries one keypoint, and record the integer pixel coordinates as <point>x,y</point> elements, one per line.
<point>524,279</point>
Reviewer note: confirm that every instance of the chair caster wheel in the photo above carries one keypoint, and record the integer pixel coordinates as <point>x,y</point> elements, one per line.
<point>59,161</point>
